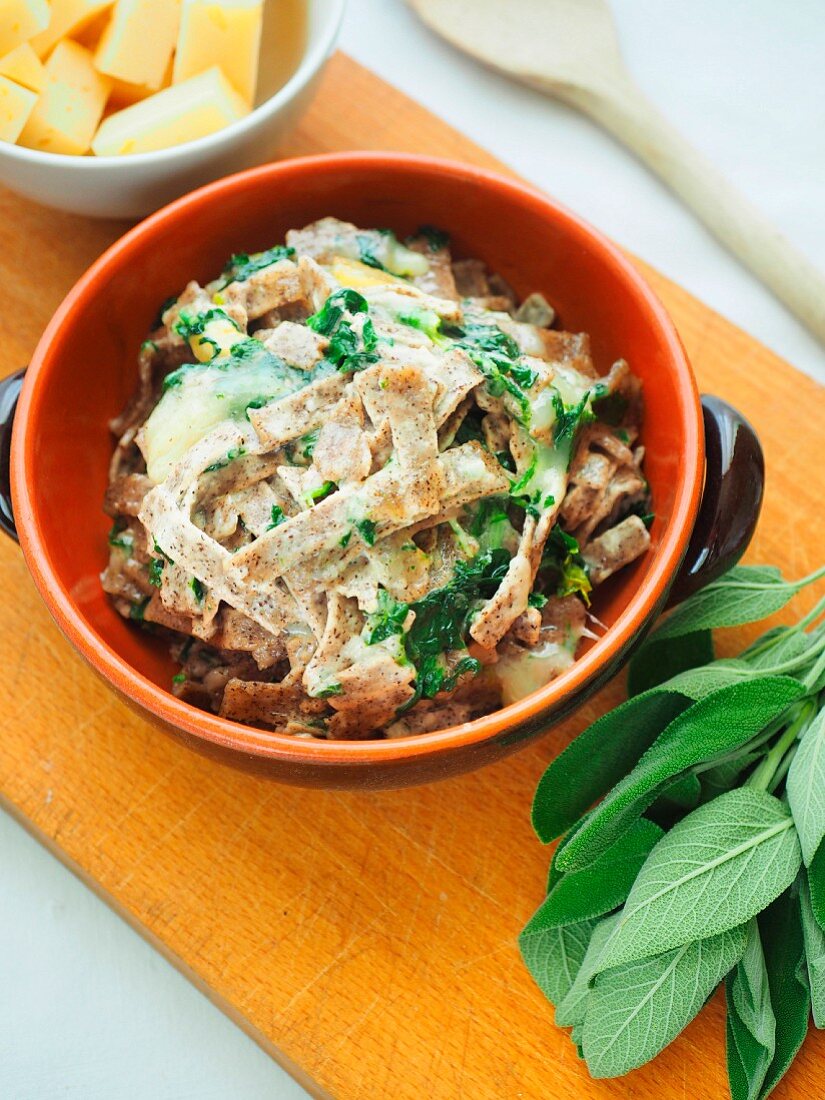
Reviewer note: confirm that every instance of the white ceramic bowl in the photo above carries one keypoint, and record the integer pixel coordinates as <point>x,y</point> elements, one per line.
<point>131,186</point>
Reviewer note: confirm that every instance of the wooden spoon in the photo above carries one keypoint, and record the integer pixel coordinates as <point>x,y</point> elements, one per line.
<point>569,49</point>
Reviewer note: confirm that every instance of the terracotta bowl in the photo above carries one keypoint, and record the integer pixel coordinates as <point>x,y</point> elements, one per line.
<point>84,369</point>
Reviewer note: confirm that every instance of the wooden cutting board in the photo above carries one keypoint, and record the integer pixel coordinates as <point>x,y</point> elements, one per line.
<point>367,942</point>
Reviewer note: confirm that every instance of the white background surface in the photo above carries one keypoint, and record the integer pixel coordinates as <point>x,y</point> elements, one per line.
<point>87,1010</point>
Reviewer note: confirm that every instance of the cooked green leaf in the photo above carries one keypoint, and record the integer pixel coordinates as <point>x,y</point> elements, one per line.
<point>436,238</point>
<point>496,354</point>
<point>277,517</point>
<point>348,350</point>
<point>441,624</point>
<point>156,571</point>
<point>366,529</point>
<point>120,536</point>
<point>137,609</point>
<point>242,266</point>
<point>563,561</point>
<point>387,620</point>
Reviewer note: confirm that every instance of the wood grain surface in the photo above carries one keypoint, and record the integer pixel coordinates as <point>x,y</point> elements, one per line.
<point>368,942</point>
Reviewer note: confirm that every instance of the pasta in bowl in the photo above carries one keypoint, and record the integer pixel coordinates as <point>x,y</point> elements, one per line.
<point>365,492</point>
<point>705,485</point>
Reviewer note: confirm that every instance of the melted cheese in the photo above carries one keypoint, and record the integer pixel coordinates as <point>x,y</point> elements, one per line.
<point>354,274</point>
<point>520,674</point>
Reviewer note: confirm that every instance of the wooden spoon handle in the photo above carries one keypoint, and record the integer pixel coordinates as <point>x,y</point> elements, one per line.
<point>624,111</point>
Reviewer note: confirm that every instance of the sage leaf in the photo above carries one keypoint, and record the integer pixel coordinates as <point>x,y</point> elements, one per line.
<point>571,1010</point>
<point>814,938</point>
<point>576,1038</point>
<point>716,725</point>
<point>816,885</point>
<point>677,797</point>
<point>750,1025</point>
<point>744,594</point>
<point>635,1010</point>
<point>598,758</point>
<point>601,886</point>
<point>780,927</point>
<point>653,664</point>
<point>806,787</point>
<point>782,646</point>
<point>717,868</point>
<point>722,777</point>
<point>554,955</point>
<point>696,683</point>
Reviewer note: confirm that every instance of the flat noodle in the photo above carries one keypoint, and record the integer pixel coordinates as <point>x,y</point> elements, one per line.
<point>284,707</point>
<point>342,453</point>
<point>207,560</point>
<point>298,414</point>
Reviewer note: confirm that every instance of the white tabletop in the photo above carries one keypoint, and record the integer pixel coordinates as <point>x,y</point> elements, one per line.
<point>89,1011</point>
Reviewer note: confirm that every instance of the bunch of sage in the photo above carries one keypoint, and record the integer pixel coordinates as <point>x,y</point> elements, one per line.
<point>704,861</point>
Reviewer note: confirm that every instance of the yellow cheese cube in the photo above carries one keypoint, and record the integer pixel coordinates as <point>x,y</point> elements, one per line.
<point>137,44</point>
<point>181,113</point>
<point>124,94</point>
<point>69,17</point>
<point>23,66</point>
<point>91,32</point>
<point>220,32</point>
<point>16,104</point>
<point>71,104</point>
<point>19,20</point>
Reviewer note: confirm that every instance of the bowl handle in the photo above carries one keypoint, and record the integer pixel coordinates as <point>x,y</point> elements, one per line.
<point>9,392</point>
<point>731,499</point>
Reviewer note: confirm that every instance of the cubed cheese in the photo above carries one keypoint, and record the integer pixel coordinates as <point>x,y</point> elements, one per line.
<point>124,94</point>
<point>71,104</point>
<point>19,20</point>
<point>137,44</point>
<point>23,66</point>
<point>181,113</point>
<point>220,32</point>
<point>16,104</point>
<point>92,30</point>
<point>69,17</point>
